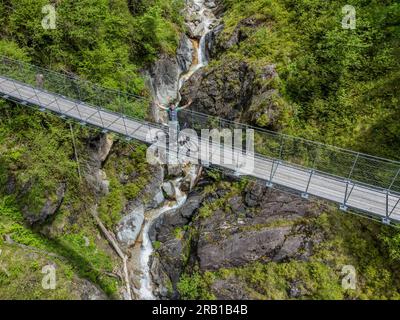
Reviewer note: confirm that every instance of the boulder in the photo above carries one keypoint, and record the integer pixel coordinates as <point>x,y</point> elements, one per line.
<point>128,229</point>
<point>169,189</point>
<point>156,201</point>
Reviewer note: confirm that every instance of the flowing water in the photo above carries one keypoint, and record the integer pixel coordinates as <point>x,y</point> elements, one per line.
<point>205,19</point>
<point>146,287</point>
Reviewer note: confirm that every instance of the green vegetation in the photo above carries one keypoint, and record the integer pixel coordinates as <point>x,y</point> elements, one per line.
<point>320,278</point>
<point>338,86</point>
<point>128,161</point>
<point>195,286</point>
<point>97,39</point>
<point>69,250</point>
<point>109,43</point>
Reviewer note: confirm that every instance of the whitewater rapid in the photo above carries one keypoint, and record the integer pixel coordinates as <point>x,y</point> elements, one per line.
<point>200,31</point>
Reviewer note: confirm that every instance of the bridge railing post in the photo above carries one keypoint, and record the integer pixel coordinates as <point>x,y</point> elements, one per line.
<point>386,219</point>
<point>353,166</point>
<point>274,168</point>
<point>281,142</point>
<point>305,194</point>
<point>347,195</point>
<point>394,180</point>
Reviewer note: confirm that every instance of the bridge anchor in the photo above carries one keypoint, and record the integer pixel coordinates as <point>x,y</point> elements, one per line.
<point>205,164</point>
<point>343,207</point>
<point>386,221</point>
<point>269,184</point>
<point>305,196</point>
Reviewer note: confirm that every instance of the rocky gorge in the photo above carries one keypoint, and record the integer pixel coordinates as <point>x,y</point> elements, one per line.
<point>229,232</point>
<point>117,227</point>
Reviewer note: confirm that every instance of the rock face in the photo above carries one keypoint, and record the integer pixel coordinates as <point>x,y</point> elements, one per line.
<point>184,54</point>
<point>99,148</point>
<point>168,264</point>
<point>225,91</point>
<point>52,204</point>
<point>240,34</point>
<point>259,225</point>
<point>232,89</point>
<point>89,291</point>
<point>164,75</point>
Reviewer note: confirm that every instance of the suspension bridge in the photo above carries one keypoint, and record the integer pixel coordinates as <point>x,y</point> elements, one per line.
<point>355,181</point>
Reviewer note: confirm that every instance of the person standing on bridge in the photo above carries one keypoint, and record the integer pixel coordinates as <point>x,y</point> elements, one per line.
<point>40,81</point>
<point>173,109</point>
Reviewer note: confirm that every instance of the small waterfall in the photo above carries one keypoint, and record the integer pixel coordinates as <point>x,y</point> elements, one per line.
<point>200,31</point>
<point>146,290</point>
<point>203,61</point>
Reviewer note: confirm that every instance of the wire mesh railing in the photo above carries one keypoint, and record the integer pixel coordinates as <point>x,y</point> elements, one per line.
<point>365,169</point>
<point>74,88</point>
<point>349,165</point>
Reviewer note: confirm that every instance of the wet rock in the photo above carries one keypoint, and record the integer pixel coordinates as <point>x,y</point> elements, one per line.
<point>184,54</point>
<point>162,228</point>
<point>156,201</point>
<point>172,263</point>
<point>128,229</point>
<point>162,284</point>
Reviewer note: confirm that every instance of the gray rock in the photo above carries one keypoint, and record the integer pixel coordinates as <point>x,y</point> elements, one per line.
<point>50,207</point>
<point>89,291</point>
<point>229,289</point>
<point>128,229</point>
<point>100,147</point>
<point>240,248</point>
<point>184,54</point>
<point>175,170</point>
<point>225,91</point>
<point>156,201</point>
<point>169,189</point>
<point>254,194</point>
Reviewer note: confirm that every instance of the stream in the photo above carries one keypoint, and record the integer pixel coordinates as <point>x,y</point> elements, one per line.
<point>199,19</point>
